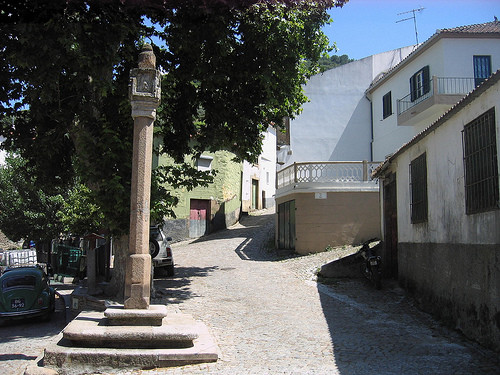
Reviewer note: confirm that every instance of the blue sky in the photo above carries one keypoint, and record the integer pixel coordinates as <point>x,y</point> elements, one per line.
<point>366,27</point>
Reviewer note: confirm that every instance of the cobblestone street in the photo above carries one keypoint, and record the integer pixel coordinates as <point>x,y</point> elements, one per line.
<point>269,316</point>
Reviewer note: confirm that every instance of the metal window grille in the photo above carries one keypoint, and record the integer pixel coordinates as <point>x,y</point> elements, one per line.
<point>481,164</point>
<point>418,189</point>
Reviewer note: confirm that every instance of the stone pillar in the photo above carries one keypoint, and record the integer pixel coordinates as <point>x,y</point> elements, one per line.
<point>145,97</point>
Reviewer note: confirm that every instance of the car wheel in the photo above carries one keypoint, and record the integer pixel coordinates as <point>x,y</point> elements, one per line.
<point>154,248</point>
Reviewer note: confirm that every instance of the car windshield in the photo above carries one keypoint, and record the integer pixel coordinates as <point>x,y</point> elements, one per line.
<point>21,281</point>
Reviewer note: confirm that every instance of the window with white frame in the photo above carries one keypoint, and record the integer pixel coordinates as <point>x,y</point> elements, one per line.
<point>204,163</point>
<point>420,83</point>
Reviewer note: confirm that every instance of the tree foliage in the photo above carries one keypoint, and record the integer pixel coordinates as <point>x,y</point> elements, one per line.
<point>27,211</point>
<point>330,62</point>
<point>232,68</point>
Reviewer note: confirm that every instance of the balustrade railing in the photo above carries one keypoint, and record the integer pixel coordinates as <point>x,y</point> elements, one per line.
<point>325,172</point>
<point>438,86</point>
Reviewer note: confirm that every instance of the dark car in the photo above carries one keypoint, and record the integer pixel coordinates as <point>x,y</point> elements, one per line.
<point>161,253</point>
<point>25,292</point>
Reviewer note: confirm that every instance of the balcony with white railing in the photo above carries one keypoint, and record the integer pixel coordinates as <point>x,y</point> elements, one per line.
<point>443,93</point>
<point>330,176</point>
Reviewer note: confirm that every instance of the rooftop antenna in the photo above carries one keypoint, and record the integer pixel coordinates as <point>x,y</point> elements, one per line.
<point>414,17</point>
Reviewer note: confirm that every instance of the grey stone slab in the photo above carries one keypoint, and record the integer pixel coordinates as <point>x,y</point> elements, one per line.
<point>117,315</point>
<point>91,329</point>
<point>65,356</point>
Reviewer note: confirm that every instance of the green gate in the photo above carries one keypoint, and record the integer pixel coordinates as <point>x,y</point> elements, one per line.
<point>286,225</point>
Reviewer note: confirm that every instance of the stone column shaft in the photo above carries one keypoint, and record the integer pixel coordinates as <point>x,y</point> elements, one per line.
<point>145,96</point>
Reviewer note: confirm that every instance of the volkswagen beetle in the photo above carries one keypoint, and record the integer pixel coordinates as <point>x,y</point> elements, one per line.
<point>25,292</point>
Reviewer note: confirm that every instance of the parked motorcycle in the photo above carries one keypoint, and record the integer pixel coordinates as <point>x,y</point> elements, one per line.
<point>371,267</point>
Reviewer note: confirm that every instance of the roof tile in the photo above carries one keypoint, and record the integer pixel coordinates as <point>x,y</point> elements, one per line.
<point>488,27</point>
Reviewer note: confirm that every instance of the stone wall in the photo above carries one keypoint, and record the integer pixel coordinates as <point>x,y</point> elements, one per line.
<point>341,218</point>
<point>221,216</point>
<point>458,283</point>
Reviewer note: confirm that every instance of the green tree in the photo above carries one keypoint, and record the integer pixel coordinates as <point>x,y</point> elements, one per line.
<point>234,66</point>
<point>26,211</point>
<point>29,212</point>
<point>330,62</point>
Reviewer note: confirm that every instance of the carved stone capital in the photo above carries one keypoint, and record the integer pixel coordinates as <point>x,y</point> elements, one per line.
<point>145,92</point>
<point>143,109</point>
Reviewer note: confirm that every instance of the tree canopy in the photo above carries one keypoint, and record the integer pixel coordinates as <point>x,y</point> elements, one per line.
<point>330,62</point>
<point>231,68</point>
<point>29,212</point>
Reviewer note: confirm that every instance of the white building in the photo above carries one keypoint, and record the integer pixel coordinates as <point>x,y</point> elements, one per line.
<point>335,125</point>
<point>259,180</point>
<point>414,94</point>
<point>324,196</point>
<point>441,71</point>
<point>443,188</point>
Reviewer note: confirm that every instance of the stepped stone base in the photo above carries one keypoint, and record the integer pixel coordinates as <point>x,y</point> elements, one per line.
<point>89,344</point>
<point>118,316</point>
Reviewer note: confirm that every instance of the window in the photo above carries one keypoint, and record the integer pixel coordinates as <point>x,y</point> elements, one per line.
<point>420,83</point>
<point>283,132</point>
<point>19,282</point>
<point>480,164</point>
<point>482,68</point>
<point>387,104</point>
<point>418,189</point>
<point>204,163</point>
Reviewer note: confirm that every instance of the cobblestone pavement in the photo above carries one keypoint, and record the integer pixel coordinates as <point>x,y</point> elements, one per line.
<point>269,316</point>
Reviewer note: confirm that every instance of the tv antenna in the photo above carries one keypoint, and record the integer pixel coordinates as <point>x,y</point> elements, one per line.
<point>414,17</point>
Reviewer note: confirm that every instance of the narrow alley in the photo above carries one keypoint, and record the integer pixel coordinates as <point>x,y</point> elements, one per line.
<point>269,316</point>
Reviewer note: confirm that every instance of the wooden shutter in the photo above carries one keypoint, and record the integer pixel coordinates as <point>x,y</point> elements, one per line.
<point>427,79</point>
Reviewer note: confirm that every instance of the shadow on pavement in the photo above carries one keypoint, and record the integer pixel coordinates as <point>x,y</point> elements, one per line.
<point>13,330</point>
<point>382,332</point>
<point>257,232</point>
<point>16,357</point>
<point>176,289</point>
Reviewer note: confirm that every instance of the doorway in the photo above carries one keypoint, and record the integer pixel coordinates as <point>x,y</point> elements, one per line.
<point>255,194</point>
<point>286,225</point>
<point>199,212</point>
<point>391,226</point>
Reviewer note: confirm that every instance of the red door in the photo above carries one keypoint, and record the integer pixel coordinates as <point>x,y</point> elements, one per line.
<point>199,213</point>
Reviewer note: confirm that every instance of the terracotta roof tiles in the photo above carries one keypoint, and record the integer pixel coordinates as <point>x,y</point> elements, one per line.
<point>488,27</point>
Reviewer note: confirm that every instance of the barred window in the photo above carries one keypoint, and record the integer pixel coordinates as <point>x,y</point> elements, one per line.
<point>418,189</point>
<point>480,164</point>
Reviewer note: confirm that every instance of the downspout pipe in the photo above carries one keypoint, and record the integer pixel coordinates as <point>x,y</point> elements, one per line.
<point>368,97</point>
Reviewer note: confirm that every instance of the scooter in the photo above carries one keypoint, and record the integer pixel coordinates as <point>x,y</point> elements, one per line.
<point>371,267</point>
